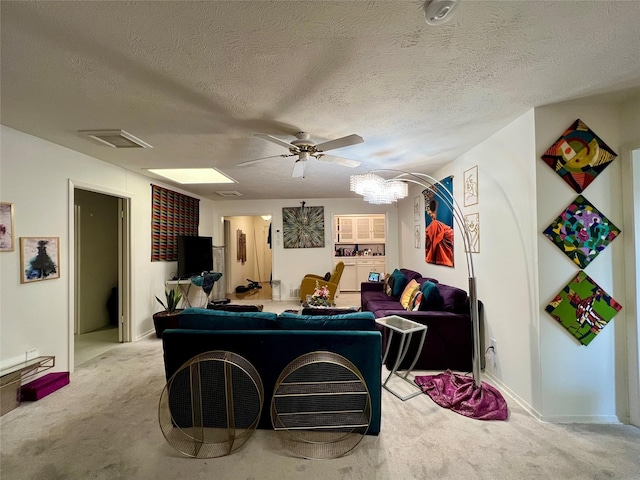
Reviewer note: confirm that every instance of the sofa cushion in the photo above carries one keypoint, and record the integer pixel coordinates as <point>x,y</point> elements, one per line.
<point>407,293</point>
<point>234,307</point>
<point>454,299</point>
<point>203,319</point>
<point>379,305</point>
<point>348,321</point>
<point>387,286</point>
<point>416,300</point>
<point>411,274</point>
<point>432,300</point>
<point>399,282</point>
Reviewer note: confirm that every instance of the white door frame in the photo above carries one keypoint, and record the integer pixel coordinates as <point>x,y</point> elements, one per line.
<point>631,211</point>
<point>124,263</point>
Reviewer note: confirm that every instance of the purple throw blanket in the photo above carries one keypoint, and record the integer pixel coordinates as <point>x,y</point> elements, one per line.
<point>459,393</point>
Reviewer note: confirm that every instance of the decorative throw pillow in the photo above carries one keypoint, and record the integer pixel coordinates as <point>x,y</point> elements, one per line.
<point>327,276</point>
<point>416,300</point>
<point>411,287</point>
<point>399,282</point>
<point>388,284</point>
<point>431,300</point>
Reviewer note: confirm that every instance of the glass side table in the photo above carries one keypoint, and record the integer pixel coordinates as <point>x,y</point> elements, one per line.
<point>405,328</point>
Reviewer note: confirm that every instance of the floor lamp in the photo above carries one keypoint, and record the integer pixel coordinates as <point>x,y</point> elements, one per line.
<point>378,190</point>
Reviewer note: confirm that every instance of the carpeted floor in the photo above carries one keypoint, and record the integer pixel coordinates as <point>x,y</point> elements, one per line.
<point>104,426</point>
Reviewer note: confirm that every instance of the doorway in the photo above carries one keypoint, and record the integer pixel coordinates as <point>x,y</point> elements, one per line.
<point>633,289</point>
<point>248,253</point>
<point>100,265</point>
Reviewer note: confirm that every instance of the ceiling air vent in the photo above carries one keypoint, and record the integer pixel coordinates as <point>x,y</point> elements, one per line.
<point>116,138</point>
<point>229,193</point>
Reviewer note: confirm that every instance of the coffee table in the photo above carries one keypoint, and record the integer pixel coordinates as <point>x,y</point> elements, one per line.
<point>405,328</point>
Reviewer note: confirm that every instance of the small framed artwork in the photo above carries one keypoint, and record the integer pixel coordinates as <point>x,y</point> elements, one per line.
<point>39,259</point>
<point>418,235</point>
<point>374,277</point>
<point>6,227</point>
<point>471,186</point>
<point>472,222</point>
<point>416,209</point>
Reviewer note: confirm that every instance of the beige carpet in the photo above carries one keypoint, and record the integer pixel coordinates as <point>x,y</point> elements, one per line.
<point>104,426</point>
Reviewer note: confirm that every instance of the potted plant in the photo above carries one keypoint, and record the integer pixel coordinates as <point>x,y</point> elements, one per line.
<point>168,318</point>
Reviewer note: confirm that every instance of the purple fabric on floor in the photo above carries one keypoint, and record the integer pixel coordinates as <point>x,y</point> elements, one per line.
<point>458,393</point>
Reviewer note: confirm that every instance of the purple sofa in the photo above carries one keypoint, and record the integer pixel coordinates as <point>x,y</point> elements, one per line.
<point>448,343</point>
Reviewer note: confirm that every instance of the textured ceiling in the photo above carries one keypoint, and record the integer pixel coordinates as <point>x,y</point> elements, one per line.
<point>197,79</point>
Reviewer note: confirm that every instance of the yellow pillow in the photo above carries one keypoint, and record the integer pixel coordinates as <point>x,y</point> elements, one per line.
<point>405,298</point>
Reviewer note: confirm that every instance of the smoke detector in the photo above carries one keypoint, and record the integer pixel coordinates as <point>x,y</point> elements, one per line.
<point>437,12</point>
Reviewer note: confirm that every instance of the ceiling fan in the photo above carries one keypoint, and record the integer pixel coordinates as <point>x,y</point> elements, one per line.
<point>303,148</point>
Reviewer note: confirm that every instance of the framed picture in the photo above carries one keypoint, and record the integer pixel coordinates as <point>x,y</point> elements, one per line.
<point>472,222</point>
<point>39,259</point>
<point>438,221</point>
<point>374,277</point>
<point>417,236</point>
<point>416,209</point>
<point>303,227</point>
<point>6,227</point>
<point>471,186</point>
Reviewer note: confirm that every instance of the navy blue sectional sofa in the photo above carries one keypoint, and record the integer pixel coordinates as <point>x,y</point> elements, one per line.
<point>270,342</point>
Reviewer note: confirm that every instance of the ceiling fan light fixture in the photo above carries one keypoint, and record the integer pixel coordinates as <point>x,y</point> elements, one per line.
<point>437,12</point>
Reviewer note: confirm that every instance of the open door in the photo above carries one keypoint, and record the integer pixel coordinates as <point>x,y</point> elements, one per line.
<point>100,265</point>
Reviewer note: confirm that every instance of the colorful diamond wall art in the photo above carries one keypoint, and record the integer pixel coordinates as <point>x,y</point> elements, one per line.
<point>581,232</point>
<point>583,308</point>
<point>579,156</point>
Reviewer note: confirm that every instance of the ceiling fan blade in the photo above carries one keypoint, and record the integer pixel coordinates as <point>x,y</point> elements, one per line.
<point>338,160</point>
<point>298,169</point>
<point>340,142</point>
<point>273,139</point>
<point>257,160</point>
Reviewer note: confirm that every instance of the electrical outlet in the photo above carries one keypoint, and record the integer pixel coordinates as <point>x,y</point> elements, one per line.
<point>31,353</point>
<point>494,352</point>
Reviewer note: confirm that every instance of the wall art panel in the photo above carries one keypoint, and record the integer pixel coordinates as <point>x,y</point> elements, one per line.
<point>583,308</point>
<point>303,227</point>
<point>438,238</point>
<point>579,156</point>
<point>581,232</point>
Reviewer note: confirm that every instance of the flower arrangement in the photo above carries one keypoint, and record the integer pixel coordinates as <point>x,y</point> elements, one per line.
<point>320,297</point>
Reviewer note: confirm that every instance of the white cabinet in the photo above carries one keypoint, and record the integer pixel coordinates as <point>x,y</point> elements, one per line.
<point>348,281</point>
<point>346,231</point>
<point>378,229</point>
<point>357,269</point>
<point>360,229</point>
<point>363,229</point>
<point>366,266</point>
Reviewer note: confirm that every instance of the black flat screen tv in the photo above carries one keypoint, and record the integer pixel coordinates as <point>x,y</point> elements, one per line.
<point>195,255</point>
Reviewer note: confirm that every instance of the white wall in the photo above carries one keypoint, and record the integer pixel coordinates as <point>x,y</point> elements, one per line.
<point>580,383</point>
<point>291,264</point>
<point>506,265</point>
<point>519,270</point>
<point>34,176</point>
